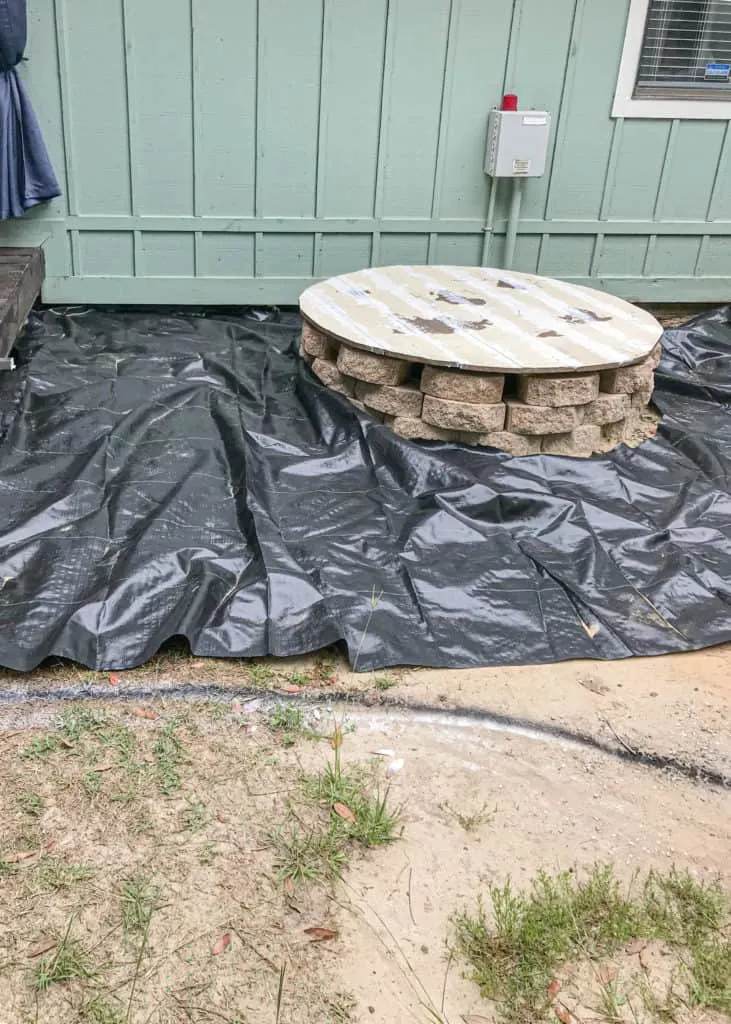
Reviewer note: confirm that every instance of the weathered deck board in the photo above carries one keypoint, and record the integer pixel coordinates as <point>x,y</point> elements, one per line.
<point>21,277</point>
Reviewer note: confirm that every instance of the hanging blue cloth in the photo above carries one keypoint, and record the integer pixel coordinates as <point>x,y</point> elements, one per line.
<point>26,173</point>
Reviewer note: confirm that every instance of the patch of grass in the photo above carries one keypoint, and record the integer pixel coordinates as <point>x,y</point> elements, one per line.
<point>75,722</point>
<point>290,721</point>
<point>42,747</point>
<point>54,874</point>
<point>375,822</point>
<point>217,709</point>
<point>298,678</point>
<point>120,740</point>
<point>31,804</point>
<point>384,683</point>
<point>99,1011</point>
<point>26,840</point>
<point>469,822</point>
<point>260,675</point>
<point>515,953</point>
<point>709,981</point>
<point>78,720</point>
<point>169,754</point>
<point>139,899</point>
<point>337,784</point>
<point>194,816</point>
<point>303,855</point>
<point>92,783</point>
<point>69,962</point>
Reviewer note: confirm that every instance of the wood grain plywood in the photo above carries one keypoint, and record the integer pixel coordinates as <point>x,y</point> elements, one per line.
<point>479,318</point>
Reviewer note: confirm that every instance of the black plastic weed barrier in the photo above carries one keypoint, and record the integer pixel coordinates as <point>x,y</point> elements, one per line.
<point>164,475</point>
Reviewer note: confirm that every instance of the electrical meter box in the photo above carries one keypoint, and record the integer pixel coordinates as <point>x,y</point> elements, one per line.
<point>517,143</point>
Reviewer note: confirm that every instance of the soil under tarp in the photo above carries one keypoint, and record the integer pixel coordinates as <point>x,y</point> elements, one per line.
<point>186,475</point>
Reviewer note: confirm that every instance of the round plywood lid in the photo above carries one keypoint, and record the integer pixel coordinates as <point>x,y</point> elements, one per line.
<point>480,318</point>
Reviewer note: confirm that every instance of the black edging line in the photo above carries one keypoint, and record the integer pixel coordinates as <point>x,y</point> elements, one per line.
<point>660,762</point>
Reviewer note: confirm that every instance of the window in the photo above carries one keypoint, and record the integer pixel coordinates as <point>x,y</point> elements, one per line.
<point>676,60</point>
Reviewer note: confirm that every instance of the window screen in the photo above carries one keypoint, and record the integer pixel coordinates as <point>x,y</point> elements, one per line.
<point>686,49</point>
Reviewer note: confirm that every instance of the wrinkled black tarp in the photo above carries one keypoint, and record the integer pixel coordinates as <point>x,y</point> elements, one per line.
<point>165,475</point>
<point>27,177</point>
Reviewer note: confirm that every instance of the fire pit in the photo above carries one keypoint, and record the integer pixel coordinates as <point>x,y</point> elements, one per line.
<point>486,357</point>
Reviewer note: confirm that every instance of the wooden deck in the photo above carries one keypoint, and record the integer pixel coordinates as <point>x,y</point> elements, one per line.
<point>21,277</point>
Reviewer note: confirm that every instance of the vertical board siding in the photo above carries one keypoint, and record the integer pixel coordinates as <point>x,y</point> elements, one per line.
<point>538,81</point>
<point>98,111</point>
<point>719,204</point>
<point>480,37</point>
<point>354,41</point>
<point>224,70</point>
<point>215,151</point>
<point>674,255</point>
<point>413,109</point>
<point>643,146</point>
<point>290,36</point>
<point>160,52</point>
<point>579,169</point>
<point>691,170</point>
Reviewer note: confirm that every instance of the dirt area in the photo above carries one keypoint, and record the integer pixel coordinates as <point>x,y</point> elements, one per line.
<point>198,810</point>
<point>674,314</point>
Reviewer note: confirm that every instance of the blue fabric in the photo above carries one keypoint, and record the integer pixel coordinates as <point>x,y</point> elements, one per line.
<point>26,173</point>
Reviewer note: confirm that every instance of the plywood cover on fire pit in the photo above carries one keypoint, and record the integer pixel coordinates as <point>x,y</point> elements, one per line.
<point>480,318</point>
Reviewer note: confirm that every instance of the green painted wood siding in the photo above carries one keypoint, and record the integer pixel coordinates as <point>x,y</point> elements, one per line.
<point>231,151</point>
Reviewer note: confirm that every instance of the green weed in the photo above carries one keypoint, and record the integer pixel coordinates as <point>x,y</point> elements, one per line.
<point>99,1011</point>
<point>169,755</point>
<point>470,822</point>
<point>194,816</point>
<point>375,823</point>
<point>42,747</point>
<point>79,720</point>
<point>54,874</point>
<point>307,856</point>
<point>139,899</point>
<point>69,962</point>
<point>31,804</point>
<point>298,678</point>
<point>514,952</point>
<point>92,783</point>
<point>290,721</point>
<point>260,675</point>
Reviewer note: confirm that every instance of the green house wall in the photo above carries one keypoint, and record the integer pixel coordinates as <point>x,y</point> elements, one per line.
<point>231,151</point>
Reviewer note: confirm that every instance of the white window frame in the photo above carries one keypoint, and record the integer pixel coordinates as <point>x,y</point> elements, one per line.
<point>625,105</point>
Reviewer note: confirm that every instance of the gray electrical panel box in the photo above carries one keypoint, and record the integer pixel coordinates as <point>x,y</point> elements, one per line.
<point>517,143</point>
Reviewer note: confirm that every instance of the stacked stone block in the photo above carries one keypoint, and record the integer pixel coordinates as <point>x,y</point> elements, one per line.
<point>526,414</point>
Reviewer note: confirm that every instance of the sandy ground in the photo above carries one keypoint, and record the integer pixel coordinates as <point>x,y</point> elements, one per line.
<point>527,761</point>
<point>554,806</point>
